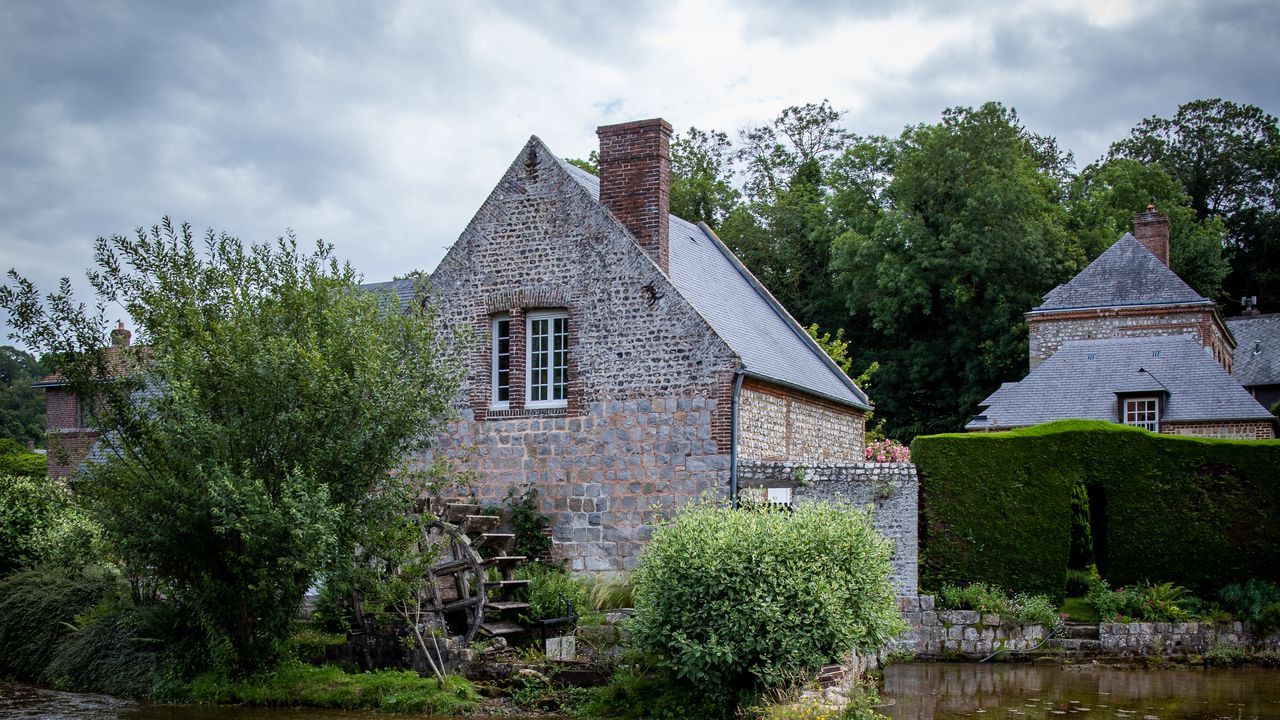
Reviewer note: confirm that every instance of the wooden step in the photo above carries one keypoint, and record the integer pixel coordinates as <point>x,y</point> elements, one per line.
<point>506,605</point>
<point>450,567</point>
<point>495,541</point>
<point>505,584</point>
<point>501,628</point>
<point>475,524</point>
<point>458,512</point>
<point>505,560</point>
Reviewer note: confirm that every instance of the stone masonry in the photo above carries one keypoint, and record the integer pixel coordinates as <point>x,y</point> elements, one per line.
<point>890,490</point>
<point>776,423</point>
<point>1226,430</point>
<point>1048,330</point>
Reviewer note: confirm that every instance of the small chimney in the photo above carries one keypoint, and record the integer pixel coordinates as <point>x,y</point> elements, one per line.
<point>1151,228</point>
<point>635,181</point>
<point>120,337</point>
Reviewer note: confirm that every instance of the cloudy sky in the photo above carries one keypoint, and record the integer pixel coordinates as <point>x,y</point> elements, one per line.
<point>381,126</point>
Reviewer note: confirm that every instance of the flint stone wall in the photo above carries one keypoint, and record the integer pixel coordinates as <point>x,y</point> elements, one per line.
<point>890,490</point>
<point>1179,638</point>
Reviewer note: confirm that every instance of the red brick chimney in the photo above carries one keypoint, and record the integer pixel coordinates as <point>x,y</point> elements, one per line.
<point>1151,228</point>
<point>120,337</point>
<point>635,181</point>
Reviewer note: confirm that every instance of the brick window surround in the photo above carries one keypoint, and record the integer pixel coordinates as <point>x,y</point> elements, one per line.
<point>518,321</point>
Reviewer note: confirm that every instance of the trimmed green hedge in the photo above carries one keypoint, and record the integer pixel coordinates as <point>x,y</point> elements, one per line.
<point>996,507</point>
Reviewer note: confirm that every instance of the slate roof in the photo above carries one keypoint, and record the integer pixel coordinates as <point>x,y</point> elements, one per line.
<point>770,343</point>
<point>1257,357</point>
<point>1082,379</point>
<point>1126,274</point>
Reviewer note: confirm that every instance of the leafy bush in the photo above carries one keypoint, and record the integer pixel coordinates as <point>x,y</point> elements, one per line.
<point>1164,602</point>
<point>547,585</point>
<point>41,524</point>
<point>1255,601</point>
<point>886,451</point>
<point>17,461</point>
<point>37,608</point>
<point>636,695</point>
<point>528,522</point>
<point>119,651</point>
<point>1079,581</point>
<point>733,601</point>
<point>985,598</point>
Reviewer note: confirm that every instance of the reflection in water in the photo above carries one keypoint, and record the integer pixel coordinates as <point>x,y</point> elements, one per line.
<point>929,691</point>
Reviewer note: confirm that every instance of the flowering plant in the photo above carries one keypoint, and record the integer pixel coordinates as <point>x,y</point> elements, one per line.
<point>887,451</point>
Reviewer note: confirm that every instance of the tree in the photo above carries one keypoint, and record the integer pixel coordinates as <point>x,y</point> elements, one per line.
<point>971,236</point>
<point>702,176</point>
<point>21,406</point>
<point>1105,197</point>
<point>1226,157</point>
<point>263,421</point>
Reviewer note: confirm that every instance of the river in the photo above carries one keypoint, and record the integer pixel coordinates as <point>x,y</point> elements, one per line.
<point>920,691</point>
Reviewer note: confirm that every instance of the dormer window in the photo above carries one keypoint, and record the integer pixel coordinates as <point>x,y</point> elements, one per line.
<point>547,359</point>
<point>1143,412</point>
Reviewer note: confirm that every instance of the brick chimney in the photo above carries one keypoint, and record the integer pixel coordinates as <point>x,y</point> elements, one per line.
<point>120,337</point>
<point>1151,228</point>
<point>635,181</point>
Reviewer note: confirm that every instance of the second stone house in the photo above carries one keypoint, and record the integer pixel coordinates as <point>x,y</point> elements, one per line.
<point>620,359</point>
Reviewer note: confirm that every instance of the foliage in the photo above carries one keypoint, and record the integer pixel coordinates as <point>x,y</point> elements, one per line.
<point>650,695</point>
<point>41,524</point>
<point>602,592</point>
<point>548,588</point>
<point>37,608</point>
<point>887,451</point>
<point>1164,602</point>
<point>529,522</point>
<point>293,684</point>
<point>591,164</point>
<point>116,649</point>
<point>15,461</point>
<point>986,598</point>
<point>971,234</point>
<point>732,601</point>
<point>701,177</point>
<point>1226,157</point>
<point>214,480</point>
<point>1080,554</point>
<point>1256,601</point>
<point>1195,512</point>
<point>21,406</point>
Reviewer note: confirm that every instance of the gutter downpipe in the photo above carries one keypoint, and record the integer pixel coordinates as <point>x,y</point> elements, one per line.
<point>738,374</point>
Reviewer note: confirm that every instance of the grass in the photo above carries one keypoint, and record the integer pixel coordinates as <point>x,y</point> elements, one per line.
<point>1079,610</point>
<point>294,684</point>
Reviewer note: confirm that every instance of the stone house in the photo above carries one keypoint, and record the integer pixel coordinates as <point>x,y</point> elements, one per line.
<point>1126,340</point>
<point>621,360</point>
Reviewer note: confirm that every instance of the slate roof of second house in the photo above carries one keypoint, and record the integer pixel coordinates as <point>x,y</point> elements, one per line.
<point>770,343</point>
<point>1126,274</point>
<point>1083,378</point>
<point>1257,356</point>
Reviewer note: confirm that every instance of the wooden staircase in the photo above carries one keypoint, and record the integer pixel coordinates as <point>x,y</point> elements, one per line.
<point>501,607</point>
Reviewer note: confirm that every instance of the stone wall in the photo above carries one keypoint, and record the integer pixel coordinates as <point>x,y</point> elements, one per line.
<point>776,423</point>
<point>1178,638</point>
<point>647,423</point>
<point>890,489</point>
<point>1229,430</point>
<point>947,633</point>
<point>1049,330</point>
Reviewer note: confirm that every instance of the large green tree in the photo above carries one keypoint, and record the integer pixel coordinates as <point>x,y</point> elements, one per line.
<point>262,422</point>
<point>972,233</point>
<point>21,406</point>
<point>1226,157</point>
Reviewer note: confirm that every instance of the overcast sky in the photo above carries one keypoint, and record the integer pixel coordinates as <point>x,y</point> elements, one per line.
<point>382,126</point>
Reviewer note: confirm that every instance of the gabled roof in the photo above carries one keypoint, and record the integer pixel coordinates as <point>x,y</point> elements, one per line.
<point>1085,379</point>
<point>770,343</point>
<point>1126,274</point>
<point>1257,356</point>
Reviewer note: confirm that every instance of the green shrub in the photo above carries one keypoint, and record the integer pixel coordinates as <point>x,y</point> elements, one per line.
<point>985,598</point>
<point>17,461</point>
<point>1194,512</point>
<point>115,650</point>
<point>41,524</point>
<point>607,593</point>
<point>528,522</point>
<point>1255,601</point>
<point>547,585</point>
<point>37,609</point>
<point>636,695</point>
<point>1079,581</point>
<point>731,601</point>
<point>1164,602</point>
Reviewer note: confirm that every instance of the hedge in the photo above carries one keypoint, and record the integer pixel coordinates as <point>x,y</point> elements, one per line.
<point>996,507</point>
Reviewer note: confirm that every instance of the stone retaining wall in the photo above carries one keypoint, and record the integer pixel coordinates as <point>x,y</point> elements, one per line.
<point>891,490</point>
<point>947,633</point>
<point>1178,638</point>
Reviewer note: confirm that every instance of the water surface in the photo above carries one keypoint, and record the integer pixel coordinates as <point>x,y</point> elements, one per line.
<point>938,691</point>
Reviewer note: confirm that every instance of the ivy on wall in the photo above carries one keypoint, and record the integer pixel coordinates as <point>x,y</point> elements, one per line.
<point>997,507</point>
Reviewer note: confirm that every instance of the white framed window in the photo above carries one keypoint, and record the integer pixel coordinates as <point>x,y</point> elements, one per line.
<point>500,369</point>
<point>1142,412</point>
<point>547,359</point>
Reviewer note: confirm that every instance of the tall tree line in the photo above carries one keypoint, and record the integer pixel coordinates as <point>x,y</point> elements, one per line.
<point>927,248</point>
